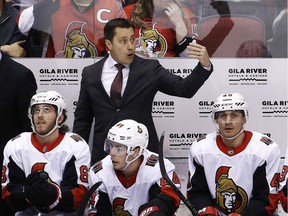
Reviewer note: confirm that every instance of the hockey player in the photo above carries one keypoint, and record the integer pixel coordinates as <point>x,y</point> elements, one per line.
<point>76,26</point>
<point>45,171</point>
<point>233,171</point>
<point>165,24</point>
<point>131,179</point>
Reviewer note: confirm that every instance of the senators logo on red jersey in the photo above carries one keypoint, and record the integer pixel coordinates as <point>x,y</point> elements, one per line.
<point>77,44</point>
<point>152,42</point>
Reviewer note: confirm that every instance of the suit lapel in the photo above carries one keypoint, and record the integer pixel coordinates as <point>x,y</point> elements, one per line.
<point>134,73</point>
<point>99,70</point>
<point>97,78</point>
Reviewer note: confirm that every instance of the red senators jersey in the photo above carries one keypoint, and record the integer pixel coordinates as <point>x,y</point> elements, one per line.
<point>238,180</point>
<point>66,160</point>
<point>126,198</point>
<point>77,31</point>
<point>160,33</point>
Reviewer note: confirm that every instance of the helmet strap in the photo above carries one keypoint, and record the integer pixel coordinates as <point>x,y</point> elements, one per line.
<point>234,137</point>
<point>129,162</point>
<point>52,130</point>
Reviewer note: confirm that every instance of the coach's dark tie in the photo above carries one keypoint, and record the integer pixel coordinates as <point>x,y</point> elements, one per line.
<point>116,87</point>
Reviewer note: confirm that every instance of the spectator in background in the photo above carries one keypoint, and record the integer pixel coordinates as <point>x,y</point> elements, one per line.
<point>219,31</point>
<point>141,79</point>
<point>36,39</point>
<point>166,27</point>
<point>12,42</point>
<point>252,49</point>
<point>75,27</point>
<point>17,86</point>
<point>232,171</point>
<point>46,171</point>
<point>277,45</point>
<point>132,181</point>
<point>163,27</point>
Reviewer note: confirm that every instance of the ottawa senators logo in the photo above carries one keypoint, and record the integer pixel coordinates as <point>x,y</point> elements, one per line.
<point>118,207</point>
<point>229,197</point>
<point>152,43</point>
<point>77,45</point>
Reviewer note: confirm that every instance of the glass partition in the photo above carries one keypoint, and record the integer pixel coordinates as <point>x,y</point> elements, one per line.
<point>232,28</point>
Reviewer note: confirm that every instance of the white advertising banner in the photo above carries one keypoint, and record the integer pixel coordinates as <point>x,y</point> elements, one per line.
<point>263,82</point>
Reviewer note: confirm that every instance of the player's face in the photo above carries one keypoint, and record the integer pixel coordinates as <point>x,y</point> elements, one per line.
<point>230,122</point>
<point>118,153</point>
<point>123,45</point>
<point>44,118</point>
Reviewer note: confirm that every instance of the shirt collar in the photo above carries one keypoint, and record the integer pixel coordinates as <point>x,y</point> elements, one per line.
<point>111,62</point>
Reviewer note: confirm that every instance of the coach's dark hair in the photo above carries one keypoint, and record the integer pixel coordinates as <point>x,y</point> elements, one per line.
<point>109,29</point>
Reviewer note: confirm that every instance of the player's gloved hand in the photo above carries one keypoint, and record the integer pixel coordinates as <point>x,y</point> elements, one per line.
<point>29,193</point>
<point>41,191</point>
<point>208,211</point>
<point>234,214</point>
<point>148,209</point>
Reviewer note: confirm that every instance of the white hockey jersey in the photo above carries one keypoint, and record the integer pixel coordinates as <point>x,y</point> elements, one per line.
<point>283,178</point>
<point>66,160</point>
<point>234,180</point>
<point>126,200</point>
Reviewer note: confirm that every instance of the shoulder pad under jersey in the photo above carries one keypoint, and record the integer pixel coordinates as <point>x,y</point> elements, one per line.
<point>76,137</point>
<point>97,167</point>
<point>152,160</point>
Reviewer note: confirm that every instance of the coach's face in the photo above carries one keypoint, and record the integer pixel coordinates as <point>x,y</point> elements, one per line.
<point>123,45</point>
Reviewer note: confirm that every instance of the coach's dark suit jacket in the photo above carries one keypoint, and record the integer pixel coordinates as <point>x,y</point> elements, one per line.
<point>17,86</point>
<point>146,78</point>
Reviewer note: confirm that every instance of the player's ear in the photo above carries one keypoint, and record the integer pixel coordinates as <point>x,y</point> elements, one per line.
<point>244,120</point>
<point>61,119</point>
<point>136,151</point>
<point>108,44</point>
